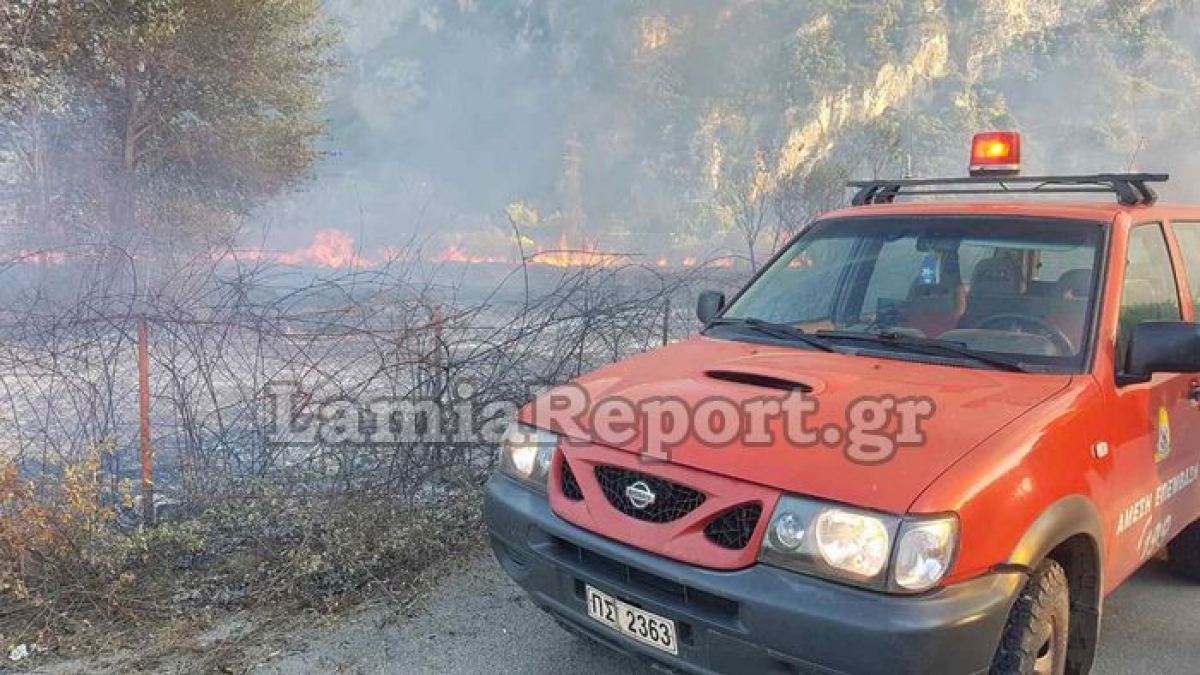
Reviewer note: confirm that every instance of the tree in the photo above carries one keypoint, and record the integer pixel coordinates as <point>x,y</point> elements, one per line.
<point>31,58</point>
<point>180,115</point>
<point>743,196</point>
<point>803,197</point>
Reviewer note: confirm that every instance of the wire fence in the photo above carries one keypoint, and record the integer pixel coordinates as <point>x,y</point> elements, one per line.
<point>221,333</point>
<point>233,513</point>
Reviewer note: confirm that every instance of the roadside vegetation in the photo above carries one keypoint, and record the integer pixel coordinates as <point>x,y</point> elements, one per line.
<point>142,140</point>
<point>244,518</point>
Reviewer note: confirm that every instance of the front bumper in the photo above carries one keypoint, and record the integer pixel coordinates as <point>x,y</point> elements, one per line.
<point>760,619</point>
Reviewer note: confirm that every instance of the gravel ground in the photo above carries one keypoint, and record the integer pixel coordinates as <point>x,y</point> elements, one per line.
<point>477,621</point>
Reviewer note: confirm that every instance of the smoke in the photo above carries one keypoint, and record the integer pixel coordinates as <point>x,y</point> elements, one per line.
<point>437,126</point>
<point>448,111</point>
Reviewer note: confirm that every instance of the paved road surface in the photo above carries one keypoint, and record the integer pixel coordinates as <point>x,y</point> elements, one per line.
<point>479,622</point>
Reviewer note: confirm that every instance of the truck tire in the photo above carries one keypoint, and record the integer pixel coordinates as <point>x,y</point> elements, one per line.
<point>1035,637</point>
<point>1183,553</point>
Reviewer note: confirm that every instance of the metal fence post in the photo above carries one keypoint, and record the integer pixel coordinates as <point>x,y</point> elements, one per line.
<point>666,323</point>
<point>144,415</point>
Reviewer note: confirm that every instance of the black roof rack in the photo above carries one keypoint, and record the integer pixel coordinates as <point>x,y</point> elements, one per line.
<point>1131,189</point>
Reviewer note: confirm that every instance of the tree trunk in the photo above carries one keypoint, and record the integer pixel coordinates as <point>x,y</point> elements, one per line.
<point>38,228</point>
<point>123,199</point>
<point>575,227</point>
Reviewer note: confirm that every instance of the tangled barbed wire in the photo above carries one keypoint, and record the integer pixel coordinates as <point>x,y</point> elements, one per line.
<point>222,331</point>
<point>241,516</point>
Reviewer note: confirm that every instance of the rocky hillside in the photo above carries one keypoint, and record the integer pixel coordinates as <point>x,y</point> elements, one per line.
<point>656,122</point>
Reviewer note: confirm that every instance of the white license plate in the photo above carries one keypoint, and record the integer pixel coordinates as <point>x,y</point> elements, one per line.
<point>638,624</point>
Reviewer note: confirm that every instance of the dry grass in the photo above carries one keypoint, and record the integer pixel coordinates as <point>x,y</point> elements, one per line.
<point>71,579</point>
<point>317,526</point>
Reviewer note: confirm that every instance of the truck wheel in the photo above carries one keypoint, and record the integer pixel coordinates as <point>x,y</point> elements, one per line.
<point>1183,553</point>
<point>1035,637</point>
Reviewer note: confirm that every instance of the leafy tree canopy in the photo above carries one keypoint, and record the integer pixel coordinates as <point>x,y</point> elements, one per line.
<point>159,118</point>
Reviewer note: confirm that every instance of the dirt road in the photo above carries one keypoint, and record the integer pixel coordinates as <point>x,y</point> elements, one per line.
<point>476,621</point>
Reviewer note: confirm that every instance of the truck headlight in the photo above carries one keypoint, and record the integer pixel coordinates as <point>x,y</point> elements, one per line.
<point>835,542</point>
<point>856,546</point>
<point>856,543</point>
<point>788,531</point>
<point>924,553</point>
<point>526,454</point>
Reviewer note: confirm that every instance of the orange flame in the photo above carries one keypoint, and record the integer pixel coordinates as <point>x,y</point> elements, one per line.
<point>48,258</point>
<point>335,249</point>
<point>567,255</point>
<point>330,248</point>
<point>456,254</point>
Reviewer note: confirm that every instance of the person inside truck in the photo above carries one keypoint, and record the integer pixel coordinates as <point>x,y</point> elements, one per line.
<point>1025,292</point>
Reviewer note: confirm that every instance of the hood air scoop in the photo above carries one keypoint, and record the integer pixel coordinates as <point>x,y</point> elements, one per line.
<point>758,380</point>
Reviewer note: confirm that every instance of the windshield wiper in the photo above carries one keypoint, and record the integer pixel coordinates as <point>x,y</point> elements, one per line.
<point>780,331</point>
<point>899,339</point>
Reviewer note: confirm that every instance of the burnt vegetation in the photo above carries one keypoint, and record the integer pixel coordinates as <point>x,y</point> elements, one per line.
<point>141,140</point>
<point>243,521</point>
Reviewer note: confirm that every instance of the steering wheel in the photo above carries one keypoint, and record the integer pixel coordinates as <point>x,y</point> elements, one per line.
<point>1039,327</point>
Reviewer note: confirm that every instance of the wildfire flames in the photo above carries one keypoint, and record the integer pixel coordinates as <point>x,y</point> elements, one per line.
<point>330,248</point>
<point>456,254</point>
<point>334,249</point>
<point>43,258</point>
<point>565,255</point>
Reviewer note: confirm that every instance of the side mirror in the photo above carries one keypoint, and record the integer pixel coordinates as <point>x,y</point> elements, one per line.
<point>709,305</point>
<point>1162,347</point>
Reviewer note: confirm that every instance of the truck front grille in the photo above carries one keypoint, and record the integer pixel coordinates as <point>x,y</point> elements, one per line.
<point>570,486</point>
<point>672,501</point>
<point>734,528</point>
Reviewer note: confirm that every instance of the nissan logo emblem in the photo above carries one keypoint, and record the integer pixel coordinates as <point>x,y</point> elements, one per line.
<point>640,495</point>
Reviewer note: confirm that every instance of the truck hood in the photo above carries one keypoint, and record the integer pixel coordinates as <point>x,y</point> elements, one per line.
<point>970,404</point>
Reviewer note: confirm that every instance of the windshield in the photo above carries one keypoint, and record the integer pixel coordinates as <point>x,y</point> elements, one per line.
<point>1007,286</point>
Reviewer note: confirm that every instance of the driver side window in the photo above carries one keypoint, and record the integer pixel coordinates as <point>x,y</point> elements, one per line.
<point>1150,292</point>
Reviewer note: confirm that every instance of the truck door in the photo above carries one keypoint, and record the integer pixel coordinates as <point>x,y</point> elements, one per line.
<point>1183,488</point>
<point>1154,422</point>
